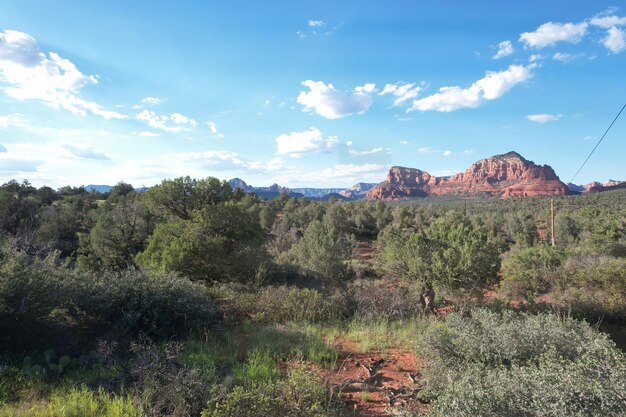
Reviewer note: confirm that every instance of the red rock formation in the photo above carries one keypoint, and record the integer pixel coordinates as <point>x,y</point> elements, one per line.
<point>509,175</point>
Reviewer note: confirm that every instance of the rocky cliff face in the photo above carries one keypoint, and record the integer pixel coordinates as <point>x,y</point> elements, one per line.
<point>509,175</point>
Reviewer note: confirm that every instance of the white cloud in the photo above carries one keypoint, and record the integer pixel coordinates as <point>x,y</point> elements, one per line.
<point>223,161</point>
<point>468,152</point>
<point>84,152</point>
<point>32,75</point>
<point>152,101</point>
<point>563,57</point>
<point>607,22</point>
<point>447,153</point>
<point>543,118</point>
<point>212,127</point>
<point>316,23</point>
<point>494,85</point>
<point>354,153</point>
<point>330,103</point>
<point>615,40</point>
<point>148,134</point>
<point>13,120</point>
<point>180,122</point>
<point>505,48</point>
<point>295,144</point>
<point>550,33</point>
<point>401,91</point>
<point>426,150</point>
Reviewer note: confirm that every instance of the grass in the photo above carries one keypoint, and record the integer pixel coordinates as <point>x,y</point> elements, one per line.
<point>370,336</point>
<point>77,402</point>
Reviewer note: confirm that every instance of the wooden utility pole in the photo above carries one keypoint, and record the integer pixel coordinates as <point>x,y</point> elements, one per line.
<point>552,217</point>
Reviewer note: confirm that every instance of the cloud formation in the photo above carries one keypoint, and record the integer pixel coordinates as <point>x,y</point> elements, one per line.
<point>173,123</point>
<point>368,152</point>
<point>29,74</point>
<point>316,23</point>
<point>505,48</point>
<point>551,33</point>
<point>401,91</point>
<point>543,118</point>
<point>330,103</point>
<point>295,144</point>
<point>615,40</point>
<point>492,86</point>
<point>606,22</point>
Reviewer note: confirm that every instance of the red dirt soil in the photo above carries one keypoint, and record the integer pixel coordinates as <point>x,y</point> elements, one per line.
<point>372,383</point>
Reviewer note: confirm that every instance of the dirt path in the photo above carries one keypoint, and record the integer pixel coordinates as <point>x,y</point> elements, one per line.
<point>374,383</point>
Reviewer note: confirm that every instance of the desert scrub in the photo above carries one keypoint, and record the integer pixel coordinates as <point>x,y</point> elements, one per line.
<point>300,394</point>
<point>495,364</point>
<point>76,402</point>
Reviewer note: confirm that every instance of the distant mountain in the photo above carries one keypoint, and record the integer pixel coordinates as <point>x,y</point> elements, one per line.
<point>98,188</point>
<point>269,193</point>
<point>595,186</point>
<point>507,175</point>
<point>358,190</point>
<point>317,192</point>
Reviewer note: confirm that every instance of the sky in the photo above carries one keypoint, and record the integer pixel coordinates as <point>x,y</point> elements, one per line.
<point>306,93</point>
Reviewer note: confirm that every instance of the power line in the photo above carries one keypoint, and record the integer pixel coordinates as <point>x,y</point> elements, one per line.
<point>594,148</point>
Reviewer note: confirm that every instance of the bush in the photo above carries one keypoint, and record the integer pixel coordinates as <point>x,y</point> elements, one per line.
<point>283,304</point>
<point>39,298</point>
<point>132,301</point>
<point>593,286</point>
<point>381,300</point>
<point>163,386</point>
<point>495,364</point>
<point>530,271</point>
<point>301,394</point>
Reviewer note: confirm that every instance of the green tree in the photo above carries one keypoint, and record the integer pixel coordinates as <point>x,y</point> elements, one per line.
<point>120,232</point>
<point>181,196</point>
<point>324,251</point>
<point>219,243</point>
<point>451,254</point>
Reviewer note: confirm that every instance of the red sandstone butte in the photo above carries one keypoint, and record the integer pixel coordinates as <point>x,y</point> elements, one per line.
<point>507,175</point>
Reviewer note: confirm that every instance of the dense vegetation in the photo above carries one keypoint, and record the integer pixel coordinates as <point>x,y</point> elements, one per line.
<point>193,299</point>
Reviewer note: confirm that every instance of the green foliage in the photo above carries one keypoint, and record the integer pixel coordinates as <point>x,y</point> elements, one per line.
<point>301,394</point>
<point>76,402</point>
<point>451,254</point>
<point>282,304</point>
<point>220,243</point>
<point>157,304</point>
<point>495,364</point>
<point>182,196</point>
<point>530,271</point>
<point>593,285</point>
<point>130,301</point>
<point>120,232</point>
<point>324,251</point>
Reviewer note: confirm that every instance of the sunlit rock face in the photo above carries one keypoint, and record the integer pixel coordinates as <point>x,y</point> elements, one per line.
<point>507,175</point>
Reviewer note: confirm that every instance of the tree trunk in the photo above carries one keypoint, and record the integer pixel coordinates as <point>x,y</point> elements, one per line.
<point>427,298</point>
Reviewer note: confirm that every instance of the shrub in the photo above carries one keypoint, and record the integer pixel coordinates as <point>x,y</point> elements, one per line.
<point>301,394</point>
<point>381,300</point>
<point>530,271</point>
<point>283,304</point>
<point>165,387</point>
<point>593,286</point>
<point>495,364</point>
<point>132,301</point>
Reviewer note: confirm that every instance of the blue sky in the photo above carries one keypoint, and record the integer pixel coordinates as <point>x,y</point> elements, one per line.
<point>306,93</point>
